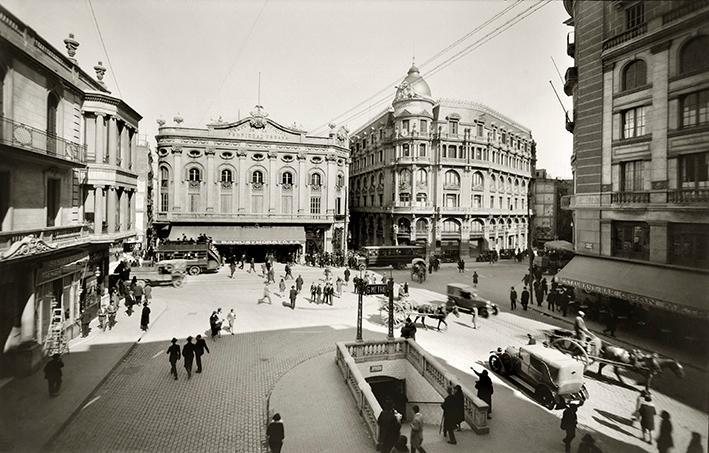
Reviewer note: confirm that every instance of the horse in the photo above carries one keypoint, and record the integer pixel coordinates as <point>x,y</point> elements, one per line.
<point>439,312</point>
<point>647,365</point>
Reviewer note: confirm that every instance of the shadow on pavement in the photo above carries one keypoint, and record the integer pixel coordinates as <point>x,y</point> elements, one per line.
<point>615,418</point>
<point>612,426</point>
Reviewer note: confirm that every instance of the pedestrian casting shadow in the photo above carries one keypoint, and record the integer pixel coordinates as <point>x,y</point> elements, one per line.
<point>612,426</point>
<point>616,418</point>
<point>463,324</point>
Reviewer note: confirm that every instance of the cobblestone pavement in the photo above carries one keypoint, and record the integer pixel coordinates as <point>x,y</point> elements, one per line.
<point>140,408</point>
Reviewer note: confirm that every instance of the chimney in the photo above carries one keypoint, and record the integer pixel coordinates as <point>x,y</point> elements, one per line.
<point>71,46</point>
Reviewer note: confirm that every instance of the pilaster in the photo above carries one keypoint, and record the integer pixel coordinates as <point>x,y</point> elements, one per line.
<point>111,205</point>
<point>211,186</point>
<point>113,152</point>
<point>100,137</point>
<point>243,174</point>
<point>177,180</point>
<point>98,209</point>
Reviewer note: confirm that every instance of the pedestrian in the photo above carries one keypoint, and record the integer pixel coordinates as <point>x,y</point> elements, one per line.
<point>531,340</point>
<point>85,320</point>
<point>459,407</point>
<point>475,279</point>
<point>275,433</point>
<point>137,293</point>
<point>293,297</point>
<point>347,276</point>
<point>474,313</point>
<point>318,294</point>
<point>611,322</point>
<point>330,293</point>
<point>409,329</point>
<point>199,347</point>
<point>417,431</point>
<point>252,266</point>
<point>588,445</point>
<point>272,275</point>
<point>400,445</point>
<point>145,317</point>
<point>232,267</point>
<point>188,354</point>
<point>449,417</point>
<point>313,292</point>
<point>299,283</point>
<point>485,389</point>
<point>551,299</point>
<point>389,427</point>
<point>102,314</point>
<point>111,311</point>
<point>538,293</point>
<point>266,295</point>
<point>231,319</point>
<point>53,374</point>
<point>664,439</point>
<point>148,293</point>
<point>525,298</point>
<point>288,272</point>
<point>568,424</point>
<point>129,301</point>
<point>338,285</point>
<point>243,260</point>
<point>695,445</point>
<point>174,355</point>
<point>282,287</point>
<point>406,288</point>
<point>513,298</point>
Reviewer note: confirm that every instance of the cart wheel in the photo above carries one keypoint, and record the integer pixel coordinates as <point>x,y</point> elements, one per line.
<point>572,347</point>
<point>195,270</point>
<point>177,282</point>
<point>142,283</point>
<point>168,268</point>
<point>544,396</point>
<point>496,365</point>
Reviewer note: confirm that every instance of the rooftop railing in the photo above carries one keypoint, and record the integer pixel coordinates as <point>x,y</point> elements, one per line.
<point>23,136</point>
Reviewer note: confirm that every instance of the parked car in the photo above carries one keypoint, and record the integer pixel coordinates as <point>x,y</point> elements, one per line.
<point>554,378</point>
<point>507,254</point>
<point>465,298</point>
<point>485,256</point>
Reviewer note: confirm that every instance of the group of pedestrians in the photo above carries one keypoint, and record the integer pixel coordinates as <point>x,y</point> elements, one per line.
<point>189,352</point>
<point>218,322</point>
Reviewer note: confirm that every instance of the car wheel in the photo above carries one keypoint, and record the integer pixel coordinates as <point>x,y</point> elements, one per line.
<point>195,270</point>
<point>177,282</point>
<point>545,397</point>
<point>496,364</point>
<point>484,313</point>
<point>495,310</point>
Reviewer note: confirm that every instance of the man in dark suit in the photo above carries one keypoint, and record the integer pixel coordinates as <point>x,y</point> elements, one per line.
<point>53,374</point>
<point>200,346</point>
<point>389,427</point>
<point>293,296</point>
<point>188,354</point>
<point>174,353</point>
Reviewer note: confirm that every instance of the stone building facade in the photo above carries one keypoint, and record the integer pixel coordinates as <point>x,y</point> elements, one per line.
<point>640,87</point>
<point>254,186</point>
<point>550,222</point>
<point>451,170</point>
<point>65,141</point>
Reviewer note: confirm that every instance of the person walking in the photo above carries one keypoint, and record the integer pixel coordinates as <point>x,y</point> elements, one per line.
<point>647,418</point>
<point>137,293</point>
<point>148,293</point>
<point>231,319</point>
<point>85,320</point>
<point>485,389</point>
<point>474,313</point>
<point>338,285</point>
<point>266,295</point>
<point>568,424</point>
<point>102,314</point>
<point>252,266</point>
<point>188,354</point>
<point>611,322</point>
<point>111,312</point>
<point>299,283</point>
<point>129,301</point>
<point>409,329</point>
<point>199,347</point>
<point>272,275</point>
<point>53,374</point>
<point>389,427</point>
<point>275,433</point>
<point>213,320</point>
<point>318,294</point>
<point>145,317</point>
<point>449,417</point>
<point>475,279</point>
<point>313,293</point>
<point>282,287</point>
<point>664,439</point>
<point>525,298</point>
<point>243,261</point>
<point>232,267</point>
<point>288,272</point>
<point>513,298</point>
<point>459,408</point>
<point>416,435</point>
<point>347,276</point>
<point>173,353</point>
<point>293,297</point>
<point>538,293</point>
<point>400,445</point>
<point>551,300</point>
<point>695,445</point>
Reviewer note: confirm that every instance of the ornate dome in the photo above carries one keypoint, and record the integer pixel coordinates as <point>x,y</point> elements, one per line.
<point>413,86</point>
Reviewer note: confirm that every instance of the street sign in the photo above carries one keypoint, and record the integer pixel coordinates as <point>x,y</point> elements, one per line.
<point>375,289</point>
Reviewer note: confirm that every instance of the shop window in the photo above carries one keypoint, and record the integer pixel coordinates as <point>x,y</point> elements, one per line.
<point>694,171</point>
<point>633,122</point>
<point>688,244</point>
<point>693,56</point>
<point>631,176</point>
<point>630,240</point>
<point>695,109</point>
<point>634,75</point>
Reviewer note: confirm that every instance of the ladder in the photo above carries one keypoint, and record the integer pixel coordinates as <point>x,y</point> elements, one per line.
<point>56,339</point>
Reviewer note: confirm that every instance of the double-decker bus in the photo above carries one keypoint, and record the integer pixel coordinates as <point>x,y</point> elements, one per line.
<point>200,256</point>
<point>398,256</point>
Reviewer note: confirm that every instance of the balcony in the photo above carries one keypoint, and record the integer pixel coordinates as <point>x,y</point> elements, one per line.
<point>630,197</point>
<point>624,37</point>
<point>20,243</point>
<point>688,196</point>
<point>264,217</point>
<point>570,44</point>
<point>570,125</point>
<point>19,135</point>
<point>570,79</point>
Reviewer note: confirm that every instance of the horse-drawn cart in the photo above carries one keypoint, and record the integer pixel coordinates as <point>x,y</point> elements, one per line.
<point>408,309</point>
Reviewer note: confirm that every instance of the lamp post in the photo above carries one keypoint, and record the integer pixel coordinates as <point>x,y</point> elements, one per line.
<point>390,324</point>
<point>361,285</point>
<point>530,216</point>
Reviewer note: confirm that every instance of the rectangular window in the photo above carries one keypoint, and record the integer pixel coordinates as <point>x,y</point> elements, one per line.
<point>424,127</point>
<point>53,201</point>
<point>381,134</point>
<point>501,205</point>
<point>492,202</point>
<point>477,201</point>
<point>688,244</point>
<point>453,127</point>
<point>694,171</point>
<point>631,176</point>
<point>630,240</point>
<point>405,125</point>
<point>451,200</point>
<point>287,204</point>
<point>634,15</point>
<point>509,202</point>
<point>405,150</point>
<point>405,198</point>
<point>479,128</point>
<point>338,205</point>
<point>4,198</point>
<point>315,205</point>
<point>371,200</point>
<point>634,122</point>
<point>164,202</point>
<point>381,155</point>
<point>695,109</point>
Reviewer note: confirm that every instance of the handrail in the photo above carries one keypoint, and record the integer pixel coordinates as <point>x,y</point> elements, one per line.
<point>22,135</point>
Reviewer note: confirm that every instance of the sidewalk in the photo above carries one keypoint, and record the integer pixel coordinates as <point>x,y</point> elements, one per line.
<point>29,418</point>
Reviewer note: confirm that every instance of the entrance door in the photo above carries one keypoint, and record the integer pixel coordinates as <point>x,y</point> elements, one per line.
<point>385,387</point>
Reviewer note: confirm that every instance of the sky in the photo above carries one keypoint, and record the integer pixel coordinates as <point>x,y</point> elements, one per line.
<point>316,59</point>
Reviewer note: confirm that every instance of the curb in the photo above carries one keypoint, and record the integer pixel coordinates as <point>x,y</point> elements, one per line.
<point>615,339</point>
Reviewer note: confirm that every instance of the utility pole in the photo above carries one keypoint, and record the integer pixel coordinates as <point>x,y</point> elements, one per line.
<point>530,216</point>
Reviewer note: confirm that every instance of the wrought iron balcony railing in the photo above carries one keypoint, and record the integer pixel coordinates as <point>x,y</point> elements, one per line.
<point>625,36</point>
<point>630,197</point>
<point>23,136</point>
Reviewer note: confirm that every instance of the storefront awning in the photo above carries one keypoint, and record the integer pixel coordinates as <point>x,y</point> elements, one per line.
<point>677,290</point>
<point>241,235</point>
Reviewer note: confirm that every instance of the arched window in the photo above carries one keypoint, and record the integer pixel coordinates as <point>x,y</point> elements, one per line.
<point>405,175</point>
<point>227,176</point>
<point>508,187</point>
<point>476,226</point>
<point>452,178</point>
<point>444,150</point>
<point>340,180</point>
<point>164,189</point>
<point>451,226</point>
<point>287,178</point>
<point>478,181</point>
<point>634,75</point>
<point>316,180</point>
<point>421,226</point>
<point>194,175</point>
<point>693,56</point>
<point>422,150</point>
<point>381,179</point>
<point>257,177</point>
<point>421,176</point>
<point>493,183</point>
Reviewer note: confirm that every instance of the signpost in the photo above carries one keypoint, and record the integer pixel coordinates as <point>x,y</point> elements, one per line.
<point>364,289</point>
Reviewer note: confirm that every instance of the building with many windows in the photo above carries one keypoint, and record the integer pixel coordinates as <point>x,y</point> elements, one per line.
<point>67,181</point>
<point>453,172</point>
<point>640,86</point>
<point>550,222</point>
<point>253,186</point>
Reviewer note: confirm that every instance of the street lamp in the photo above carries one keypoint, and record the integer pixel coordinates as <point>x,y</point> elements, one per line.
<point>530,215</point>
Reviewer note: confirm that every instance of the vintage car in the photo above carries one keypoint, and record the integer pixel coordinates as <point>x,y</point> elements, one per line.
<point>465,298</point>
<point>554,378</point>
<point>485,256</point>
<point>166,272</point>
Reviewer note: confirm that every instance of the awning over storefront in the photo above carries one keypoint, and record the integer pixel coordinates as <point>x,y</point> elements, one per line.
<point>241,235</point>
<point>681,291</point>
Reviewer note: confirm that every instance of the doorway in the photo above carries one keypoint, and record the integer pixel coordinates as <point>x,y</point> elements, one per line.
<point>385,387</point>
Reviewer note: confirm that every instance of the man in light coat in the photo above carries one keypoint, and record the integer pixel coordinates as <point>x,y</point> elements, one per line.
<point>417,431</point>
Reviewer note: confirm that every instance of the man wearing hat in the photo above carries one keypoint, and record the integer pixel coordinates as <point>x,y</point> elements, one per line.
<point>174,354</point>
<point>580,327</point>
<point>188,351</point>
<point>53,374</point>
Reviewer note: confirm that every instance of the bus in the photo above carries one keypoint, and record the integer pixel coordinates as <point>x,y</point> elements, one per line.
<point>200,256</point>
<point>398,256</point>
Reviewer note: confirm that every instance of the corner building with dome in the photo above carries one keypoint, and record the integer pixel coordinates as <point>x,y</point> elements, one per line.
<point>452,171</point>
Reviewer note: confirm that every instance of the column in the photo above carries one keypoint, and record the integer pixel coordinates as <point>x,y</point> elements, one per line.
<point>177,180</point>
<point>124,147</point>
<point>124,209</point>
<point>244,183</point>
<point>111,205</point>
<point>211,188</point>
<point>329,186</point>
<point>112,140</point>
<point>396,185</point>
<point>100,137</point>
<point>131,210</point>
<point>133,150</point>
<point>302,179</point>
<point>98,209</point>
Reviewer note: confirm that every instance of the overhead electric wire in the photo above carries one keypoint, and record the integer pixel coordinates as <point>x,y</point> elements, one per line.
<point>105,50</point>
<point>430,59</point>
<point>489,36</point>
